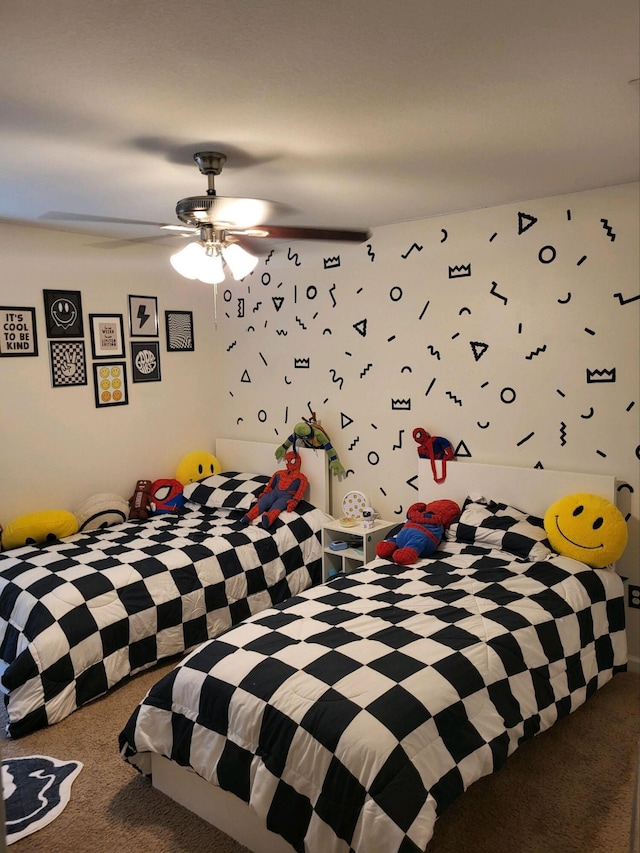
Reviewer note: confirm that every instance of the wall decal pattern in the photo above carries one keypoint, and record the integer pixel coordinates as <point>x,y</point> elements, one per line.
<point>506,329</point>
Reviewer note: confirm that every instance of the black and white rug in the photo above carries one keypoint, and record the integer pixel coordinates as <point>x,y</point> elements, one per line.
<point>36,789</point>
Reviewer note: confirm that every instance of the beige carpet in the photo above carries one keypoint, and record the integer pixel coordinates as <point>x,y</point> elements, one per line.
<point>570,790</point>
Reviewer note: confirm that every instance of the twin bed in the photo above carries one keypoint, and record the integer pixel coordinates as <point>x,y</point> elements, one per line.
<point>348,717</point>
<point>80,615</point>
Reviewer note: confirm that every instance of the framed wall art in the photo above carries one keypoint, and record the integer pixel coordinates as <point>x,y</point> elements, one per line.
<point>63,313</point>
<point>145,361</point>
<point>179,331</point>
<point>18,334</point>
<point>110,384</point>
<point>68,363</point>
<point>143,316</point>
<point>107,335</point>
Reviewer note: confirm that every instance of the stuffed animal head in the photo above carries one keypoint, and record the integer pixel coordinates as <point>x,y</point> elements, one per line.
<point>293,462</point>
<point>443,513</point>
<point>587,528</point>
<point>197,466</point>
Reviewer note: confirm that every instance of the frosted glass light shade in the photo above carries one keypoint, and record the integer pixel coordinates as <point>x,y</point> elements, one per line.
<point>210,269</point>
<point>187,260</point>
<point>239,261</point>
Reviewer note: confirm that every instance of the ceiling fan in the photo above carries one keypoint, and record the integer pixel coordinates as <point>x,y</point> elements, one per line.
<point>224,225</point>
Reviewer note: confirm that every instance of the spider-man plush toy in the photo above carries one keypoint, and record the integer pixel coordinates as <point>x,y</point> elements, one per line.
<point>421,534</point>
<point>282,492</point>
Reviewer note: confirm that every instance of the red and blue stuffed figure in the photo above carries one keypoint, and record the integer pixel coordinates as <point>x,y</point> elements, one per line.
<point>283,492</point>
<point>421,534</point>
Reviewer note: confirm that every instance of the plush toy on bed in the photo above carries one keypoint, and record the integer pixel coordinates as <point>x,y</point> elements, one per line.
<point>283,492</point>
<point>587,528</point>
<point>421,533</point>
<point>140,501</point>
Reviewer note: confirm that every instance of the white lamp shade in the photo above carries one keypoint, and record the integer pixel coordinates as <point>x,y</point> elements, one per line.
<point>187,260</point>
<point>210,269</point>
<point>240,262</point>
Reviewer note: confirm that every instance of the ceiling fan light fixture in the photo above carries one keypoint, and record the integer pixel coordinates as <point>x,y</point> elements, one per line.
<point>187,260</point>
<point>210,269</point>
<point>239,261</point>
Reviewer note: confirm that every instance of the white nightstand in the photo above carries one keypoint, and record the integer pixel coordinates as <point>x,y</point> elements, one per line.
<point>358,553</point>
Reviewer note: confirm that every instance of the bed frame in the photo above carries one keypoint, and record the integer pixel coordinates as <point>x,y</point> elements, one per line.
<point>259,458</point>
<point>532,489</point>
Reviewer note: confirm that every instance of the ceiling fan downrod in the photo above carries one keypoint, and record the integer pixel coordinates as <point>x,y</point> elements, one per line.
<point>210,164</point>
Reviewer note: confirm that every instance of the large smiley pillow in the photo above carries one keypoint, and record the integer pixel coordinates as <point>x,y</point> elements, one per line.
<point>587,528</point>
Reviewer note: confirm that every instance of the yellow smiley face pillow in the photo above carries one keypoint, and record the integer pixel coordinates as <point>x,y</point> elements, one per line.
<point>587,528</point>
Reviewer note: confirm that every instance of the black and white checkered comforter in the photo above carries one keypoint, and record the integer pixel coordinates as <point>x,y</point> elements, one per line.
<point>352,715</point>
<point>78,616</point>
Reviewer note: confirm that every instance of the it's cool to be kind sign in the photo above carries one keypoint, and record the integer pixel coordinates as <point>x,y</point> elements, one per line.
<point>18,332</point>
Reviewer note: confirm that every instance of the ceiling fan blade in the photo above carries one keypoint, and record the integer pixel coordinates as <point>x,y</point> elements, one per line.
<point>62,216</point>
<point>132,241</point>
<point>286,232</point>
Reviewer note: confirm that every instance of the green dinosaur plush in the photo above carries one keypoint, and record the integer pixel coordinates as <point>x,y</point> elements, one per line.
<point>309,434</point>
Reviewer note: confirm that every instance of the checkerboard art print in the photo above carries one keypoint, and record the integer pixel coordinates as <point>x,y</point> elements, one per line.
<point>351,716</point>
<point>68,364</point>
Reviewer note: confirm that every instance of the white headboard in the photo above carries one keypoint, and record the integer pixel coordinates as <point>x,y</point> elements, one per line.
<point>532,490</point>
<point>257,457</point>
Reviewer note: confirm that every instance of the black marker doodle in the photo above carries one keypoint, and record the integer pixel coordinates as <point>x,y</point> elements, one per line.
<point>278,302</point>
<point>424,310</point>
<point>327,332</point>
<point>563,433</point>
<point>434,352</point>
<point>444,233</point>
<point>484,384</point>
<point>392,338</point>
<point>370,252</point>
<point>567,299</point>
<point>456,335</point>
<point>478,348</point>
<point>630,406</point>
<point>282,332</point>
<point>269,256</point>
<point>251,328</point>
<point>624,301</point>
<point>603,375</point>
<point>331,263</point>
<point>227,295</point>
<point>399,511</point>
<point>569,215</point>
<point>339,380</point>
<point>462,450</point>
<point>257,307</point>
<point>293,257</point>
<point>413,246</point>
<point>483,426</point>
<point>525,221</point>
<point>601,453</point>
<point>349,471</point>
<point>526,438</point>
<point>406,369</point>
<point>231,346</point>
<point>535,352</point>
<point>539,465</point>
<point>361,327</point>
<point>263,359</point>
<point>300,323</point>
<point>345,420</point>
<point>412,482</point>
<point>460,271</point>
<point>262,416</point>
<point>245,377</point>
<point>240,313</point>
<point>365,370</point>
<point>464,310</point>
<point>239,420</point>
<point>398,446</point>
<point>373,458</point>
<point>507,395</point>
<point>398,294</point>
<point>589,331</point>
<point>302,363</point>
<point>333,299</point>
<point>265,278</point>
<point>589,414</point>
<point>549,256</point>
<point>382,491</point>
<point>608,229</point>
<point>494,292</point>
<point>431,384</point>
<point>562,394</point>
<point>312,291</point>
<point>354,442</point>
<point>401,405</point>
<point>493,236</point>
<point>581,261</point>
<point>626,486</point>
<point>453,397</point>
<point>519,328</point>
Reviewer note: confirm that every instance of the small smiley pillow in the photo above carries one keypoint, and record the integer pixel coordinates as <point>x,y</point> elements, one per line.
<point>587,528</point>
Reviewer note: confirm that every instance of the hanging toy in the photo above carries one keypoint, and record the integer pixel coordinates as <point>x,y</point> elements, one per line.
<point>309,433</point>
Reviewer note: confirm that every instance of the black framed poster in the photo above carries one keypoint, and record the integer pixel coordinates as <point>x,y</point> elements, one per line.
<point>179,331</point>
<point>18,334</point>
<point>143,316</point>
<point>68,363</point>
<point>145,361</point>
<point>110,384</point>
<point>107,335</point>
<point>63,313</point>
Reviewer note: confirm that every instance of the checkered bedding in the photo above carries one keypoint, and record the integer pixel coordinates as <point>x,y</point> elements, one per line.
<point>351,716</point>
<point>80,615</point>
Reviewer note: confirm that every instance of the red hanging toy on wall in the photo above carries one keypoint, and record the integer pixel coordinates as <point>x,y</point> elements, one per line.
<point>434,447</point>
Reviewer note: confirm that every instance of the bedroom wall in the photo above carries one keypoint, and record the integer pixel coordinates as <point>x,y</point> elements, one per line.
<point>56,447</point>
<point>512,331</point>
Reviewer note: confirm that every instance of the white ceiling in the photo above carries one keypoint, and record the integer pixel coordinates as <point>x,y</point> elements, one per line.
<point>355,113</point>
